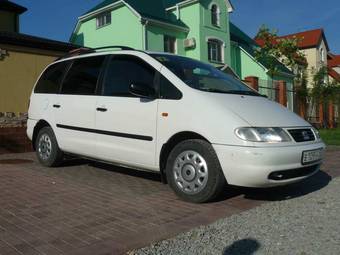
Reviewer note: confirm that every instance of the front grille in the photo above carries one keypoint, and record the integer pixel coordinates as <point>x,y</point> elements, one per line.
<point>293,173</point>
<point>302,135</point>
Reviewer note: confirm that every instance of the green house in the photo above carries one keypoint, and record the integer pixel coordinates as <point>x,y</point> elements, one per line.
<point>194,28</point>
<point>199,29</point>
<point>244,64</point>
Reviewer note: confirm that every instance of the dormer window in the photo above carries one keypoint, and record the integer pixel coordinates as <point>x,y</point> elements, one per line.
<point>215,15</point>
<point>103,19</point>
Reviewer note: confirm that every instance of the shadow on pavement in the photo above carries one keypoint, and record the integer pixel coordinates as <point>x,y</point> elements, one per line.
<point>309,185</point>
<point>127,171</point>
<point>242,247</point>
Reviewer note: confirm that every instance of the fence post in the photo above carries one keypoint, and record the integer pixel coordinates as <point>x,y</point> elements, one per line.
<point>321,116</point>
<point>302,109</point>
<point>282,93</point>
<point>331,115</point>
<point>253,82</point>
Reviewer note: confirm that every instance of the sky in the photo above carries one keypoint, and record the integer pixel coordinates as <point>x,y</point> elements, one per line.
<point>56,19</point>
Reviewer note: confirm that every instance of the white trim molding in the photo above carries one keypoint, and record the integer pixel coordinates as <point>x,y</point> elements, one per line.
<point>230,7</point>
<point>215,38</point>
<point>182,4</point>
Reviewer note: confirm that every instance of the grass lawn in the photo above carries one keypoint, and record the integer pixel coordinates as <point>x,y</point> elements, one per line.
<point>330,136</point>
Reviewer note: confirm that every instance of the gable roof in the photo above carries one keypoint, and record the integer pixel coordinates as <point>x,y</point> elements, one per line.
<point>18,39</point>
<point>154,9</point>
<point>6,5</point>
<point>250,45</point>
<point>335,75</point>
<point>334,60</point>
<point>307,39</point>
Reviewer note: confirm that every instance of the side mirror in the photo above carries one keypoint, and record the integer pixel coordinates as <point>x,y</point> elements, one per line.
<point>142,90</point>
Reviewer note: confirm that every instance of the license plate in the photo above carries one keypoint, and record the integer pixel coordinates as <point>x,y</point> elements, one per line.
<point>311,156</point>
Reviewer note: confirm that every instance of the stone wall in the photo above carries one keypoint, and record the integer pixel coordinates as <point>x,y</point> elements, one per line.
<point>13,138</point>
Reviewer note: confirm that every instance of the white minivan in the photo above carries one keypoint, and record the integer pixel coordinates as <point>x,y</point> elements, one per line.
<point>197,126</point>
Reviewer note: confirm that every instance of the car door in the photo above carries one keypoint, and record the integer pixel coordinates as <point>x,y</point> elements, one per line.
<point>127,123</point>
<point>75,106</point>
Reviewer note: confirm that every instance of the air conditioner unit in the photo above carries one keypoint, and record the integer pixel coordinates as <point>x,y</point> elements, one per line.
<point>190,43</point>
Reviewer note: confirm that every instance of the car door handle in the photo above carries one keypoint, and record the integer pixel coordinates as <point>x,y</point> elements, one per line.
<point>56,105</point>
<point>100,109</point>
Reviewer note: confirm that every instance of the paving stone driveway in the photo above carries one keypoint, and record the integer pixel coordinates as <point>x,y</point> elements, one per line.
<point>91,208</point>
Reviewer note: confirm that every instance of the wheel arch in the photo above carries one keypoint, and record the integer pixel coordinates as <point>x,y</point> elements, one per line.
<point>170,144</point>
<point>41,124</point>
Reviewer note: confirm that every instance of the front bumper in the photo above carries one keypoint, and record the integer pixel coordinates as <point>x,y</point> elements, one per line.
<point>256,166</point>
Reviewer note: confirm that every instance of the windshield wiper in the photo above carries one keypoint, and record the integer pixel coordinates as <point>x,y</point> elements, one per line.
<point>234,92</point>
<point>213,90</point>
<point>243,92</point>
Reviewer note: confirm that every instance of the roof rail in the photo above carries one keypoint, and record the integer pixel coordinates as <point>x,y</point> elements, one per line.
<point>113,47</point>
<point>85,50</point>
<point>76,52</point>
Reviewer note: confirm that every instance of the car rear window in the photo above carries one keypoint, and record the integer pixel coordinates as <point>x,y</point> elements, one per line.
<point>50,80</point>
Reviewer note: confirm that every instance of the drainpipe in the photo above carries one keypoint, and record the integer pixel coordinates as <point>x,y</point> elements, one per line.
<point>144,23</point>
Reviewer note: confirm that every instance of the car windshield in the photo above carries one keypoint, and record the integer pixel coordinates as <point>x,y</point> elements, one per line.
<point>202,76</point>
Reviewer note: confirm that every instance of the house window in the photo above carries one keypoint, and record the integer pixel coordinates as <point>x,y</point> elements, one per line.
<point>322,55</point>
<point>215,15</point>
<point>215,50</point>
<point>169,44</point>
<point>103,19</point>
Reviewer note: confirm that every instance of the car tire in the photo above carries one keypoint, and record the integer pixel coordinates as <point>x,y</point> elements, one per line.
<point>47,149</point>
<point>193,171</point>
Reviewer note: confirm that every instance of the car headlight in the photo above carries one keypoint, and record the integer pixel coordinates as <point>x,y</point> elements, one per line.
<point>268,135</point>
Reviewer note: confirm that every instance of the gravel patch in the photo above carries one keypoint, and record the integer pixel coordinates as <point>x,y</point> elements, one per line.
<point>308,224</point>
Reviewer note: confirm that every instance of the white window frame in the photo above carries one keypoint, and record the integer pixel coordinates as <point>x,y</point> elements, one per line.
<point>103,19</point>
<point>221,44</point>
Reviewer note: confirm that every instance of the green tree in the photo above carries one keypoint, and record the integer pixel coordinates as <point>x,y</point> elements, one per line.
<point>323,91</point>
<point>286,50</point>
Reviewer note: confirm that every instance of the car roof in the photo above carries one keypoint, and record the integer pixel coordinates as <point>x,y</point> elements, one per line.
<point>111,52</point>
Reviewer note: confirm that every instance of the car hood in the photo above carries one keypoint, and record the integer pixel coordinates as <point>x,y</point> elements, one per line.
<point>259,111</point>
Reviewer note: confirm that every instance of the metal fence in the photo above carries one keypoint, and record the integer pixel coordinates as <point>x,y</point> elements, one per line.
<point>270,89</point>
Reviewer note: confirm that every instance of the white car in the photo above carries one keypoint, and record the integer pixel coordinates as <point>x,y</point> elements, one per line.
<point>197,126</point>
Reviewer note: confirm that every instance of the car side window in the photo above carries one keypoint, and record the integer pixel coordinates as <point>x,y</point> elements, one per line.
<point>82,78</point>
<point>168,90</point>
<point>50,80</point>
<point>122,71</point>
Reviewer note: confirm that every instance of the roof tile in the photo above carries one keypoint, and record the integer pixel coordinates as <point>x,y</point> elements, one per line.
<point>307,39</point>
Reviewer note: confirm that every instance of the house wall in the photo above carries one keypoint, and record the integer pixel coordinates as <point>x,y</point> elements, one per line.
<point>131,33</point>
<point>190,15</point>
<point>8,21</point>
<point>155,38</point>
<point>314,61</point>
<point>207,30</point>
<point>125,29</point>
<point>19,71</point>
<point>245,65</point>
